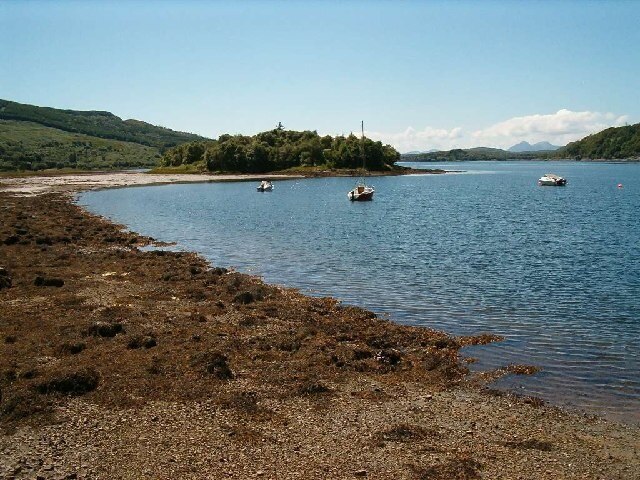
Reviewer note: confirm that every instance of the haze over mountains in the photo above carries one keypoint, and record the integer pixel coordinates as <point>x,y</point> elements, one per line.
<point>415,152</point>
<point>536,147</point>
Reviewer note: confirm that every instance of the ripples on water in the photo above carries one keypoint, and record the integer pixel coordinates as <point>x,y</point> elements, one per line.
<point>554,270</point>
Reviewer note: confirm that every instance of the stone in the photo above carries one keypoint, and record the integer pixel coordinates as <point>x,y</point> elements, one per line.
<point>5,278</point>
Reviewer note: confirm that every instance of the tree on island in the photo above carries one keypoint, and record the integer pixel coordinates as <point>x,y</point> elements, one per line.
<point>281,149</point>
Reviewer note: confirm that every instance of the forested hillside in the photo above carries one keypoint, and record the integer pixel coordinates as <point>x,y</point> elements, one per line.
<point>30,146</point>
<point>96,124</point>
<point>281,149</point>
<point>612,143</point>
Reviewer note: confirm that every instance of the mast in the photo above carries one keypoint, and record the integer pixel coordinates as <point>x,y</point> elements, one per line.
<point>362,147</point>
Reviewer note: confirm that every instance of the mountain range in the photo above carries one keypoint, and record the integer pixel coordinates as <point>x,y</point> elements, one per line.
<point>536,147</point>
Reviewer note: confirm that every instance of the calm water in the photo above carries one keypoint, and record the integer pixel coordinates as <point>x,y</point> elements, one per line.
<point>554,270</point>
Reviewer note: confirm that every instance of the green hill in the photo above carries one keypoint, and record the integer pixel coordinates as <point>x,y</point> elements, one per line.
<point>96,123</point>
<point>39,138</point>
<point>612,143</point>
<point>30,146</point>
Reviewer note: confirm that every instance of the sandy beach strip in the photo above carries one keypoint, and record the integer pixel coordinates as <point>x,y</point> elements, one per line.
<point>29,185</point>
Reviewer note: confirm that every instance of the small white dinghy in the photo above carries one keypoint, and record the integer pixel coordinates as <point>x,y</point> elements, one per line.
<point>552,180</point>
<point>265,186</point>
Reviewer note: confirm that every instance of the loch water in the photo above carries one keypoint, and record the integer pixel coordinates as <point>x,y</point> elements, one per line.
<point>555,270</point>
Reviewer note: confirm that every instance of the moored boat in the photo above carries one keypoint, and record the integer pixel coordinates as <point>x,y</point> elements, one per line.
<point>552,180</point>
<point>361,192</point>
<point>265,186</point>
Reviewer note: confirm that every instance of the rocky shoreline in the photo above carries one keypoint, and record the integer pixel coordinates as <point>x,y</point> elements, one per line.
<point>123,363</point>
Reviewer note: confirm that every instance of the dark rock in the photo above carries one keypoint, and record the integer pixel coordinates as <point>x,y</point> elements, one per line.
<point>48,282</point>
<point>75,383</point>
<point>214,363</point>
<point>244,298</point>
<point>390,357</point>
<point>11,240</point>
<point>312,388</point>
<point>105,329</point>
<point>71,348</point>
<point>5,278</point>
<point>29,374</point>
<point>139,341</point>
<point>362,354</point>
<point>44,241</point>
<point>531,444</point>
<point>446,342</point>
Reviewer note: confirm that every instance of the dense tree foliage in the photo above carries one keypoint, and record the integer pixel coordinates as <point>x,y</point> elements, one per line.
<point>96,124</point>
<point>281,149</point>
<point>612,143</point>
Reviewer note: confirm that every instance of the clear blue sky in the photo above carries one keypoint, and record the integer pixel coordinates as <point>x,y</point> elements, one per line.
<point>456,72</point>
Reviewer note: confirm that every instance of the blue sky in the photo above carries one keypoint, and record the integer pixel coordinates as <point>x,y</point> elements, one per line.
<point>420,74</point>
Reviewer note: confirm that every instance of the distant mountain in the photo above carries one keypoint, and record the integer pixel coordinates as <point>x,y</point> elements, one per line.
<point>97,124</point>
<point>609,144</point>
<point>536,147</point>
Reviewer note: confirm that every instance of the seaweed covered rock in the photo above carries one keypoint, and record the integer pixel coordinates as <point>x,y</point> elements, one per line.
<point>71,383</point>
<point>5,278</point>
<point>41,281</point>
<point>105,329</point>
<point>214,363</point>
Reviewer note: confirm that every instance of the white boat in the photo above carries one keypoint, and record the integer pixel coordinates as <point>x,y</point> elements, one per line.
<point>361,192</point>
<point>265,186</point>
<point>552,180</point>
